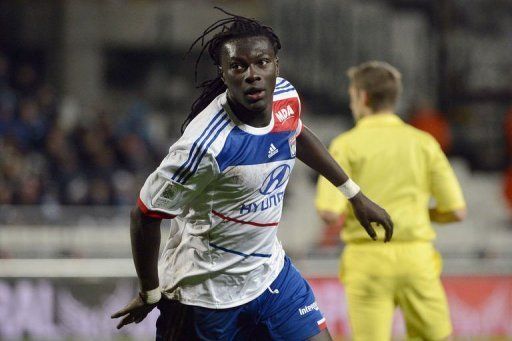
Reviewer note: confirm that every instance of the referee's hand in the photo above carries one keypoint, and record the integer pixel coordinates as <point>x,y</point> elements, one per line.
<point>135,311</point>
<point>367,212</point>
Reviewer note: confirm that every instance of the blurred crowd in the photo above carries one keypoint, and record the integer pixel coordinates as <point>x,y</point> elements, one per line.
<point>54,153</point>
<point>100,160</point>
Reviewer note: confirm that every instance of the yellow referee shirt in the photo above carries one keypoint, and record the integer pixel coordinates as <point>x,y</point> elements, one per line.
<point>397,166</point>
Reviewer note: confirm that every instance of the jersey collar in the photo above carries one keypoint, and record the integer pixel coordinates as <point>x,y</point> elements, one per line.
<point>245,127</point>
<point>381,119</point>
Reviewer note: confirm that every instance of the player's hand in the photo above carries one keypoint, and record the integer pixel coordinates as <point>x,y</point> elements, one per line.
<point>367,212</point>
<point>135,311</point>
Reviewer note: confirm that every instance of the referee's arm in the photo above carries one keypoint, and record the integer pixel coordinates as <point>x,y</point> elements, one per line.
<point>450,206</point>
<point>447,217</point>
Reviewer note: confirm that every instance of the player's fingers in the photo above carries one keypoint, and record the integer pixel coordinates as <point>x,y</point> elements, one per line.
<point>369,229</point>
<point>389,231</point>
<point>383,221</point>
<point>126,309</point>
<point>120,313</point>
<point>140,318</point>
<point>391,227</point>
<point>391,221</point>
<point>127,320</point>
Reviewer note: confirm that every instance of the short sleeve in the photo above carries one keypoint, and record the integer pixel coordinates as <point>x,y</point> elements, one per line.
<point>328,197</point>
<point>300,126</point>
<point>286,108</point>
<point>444,186</point>
<point>181,177</point>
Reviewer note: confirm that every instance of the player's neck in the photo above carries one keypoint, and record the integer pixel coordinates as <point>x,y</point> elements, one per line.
<point>252,118</point>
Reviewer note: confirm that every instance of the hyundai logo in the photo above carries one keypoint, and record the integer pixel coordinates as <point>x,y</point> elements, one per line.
<point>275,179</point>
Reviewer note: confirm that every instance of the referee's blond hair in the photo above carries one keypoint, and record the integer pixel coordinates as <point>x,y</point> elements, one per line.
<point>381,81</point>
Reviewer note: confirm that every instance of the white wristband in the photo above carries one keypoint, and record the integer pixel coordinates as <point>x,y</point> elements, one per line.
<point>349,189</point>
<point>152,296</point>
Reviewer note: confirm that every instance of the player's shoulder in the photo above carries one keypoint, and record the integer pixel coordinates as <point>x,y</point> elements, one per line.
<point>284,89</point>
<point>210,120</point>
<point>283,83</point>
<point>286,106</point>
<point>208,130</point>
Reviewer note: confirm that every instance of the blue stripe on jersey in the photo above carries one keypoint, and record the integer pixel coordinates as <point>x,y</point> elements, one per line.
<point>281,82</point>
<point>266,255</point>
<point>196,146</point>
<point>198,160</point>
<point>277,92</point>
<point>285,85</point>
<point>242,148</point>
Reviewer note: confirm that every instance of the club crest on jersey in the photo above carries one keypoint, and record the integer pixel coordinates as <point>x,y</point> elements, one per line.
<point>285,113</point>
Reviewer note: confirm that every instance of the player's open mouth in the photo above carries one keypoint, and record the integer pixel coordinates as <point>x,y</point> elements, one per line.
<point>255,94</point>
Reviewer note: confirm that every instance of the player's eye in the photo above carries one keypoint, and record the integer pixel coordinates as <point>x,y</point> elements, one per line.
<point>264,62</point>
<point>235,66</point>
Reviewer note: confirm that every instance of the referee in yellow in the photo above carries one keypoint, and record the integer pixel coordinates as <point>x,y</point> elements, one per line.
<point>401,168</point>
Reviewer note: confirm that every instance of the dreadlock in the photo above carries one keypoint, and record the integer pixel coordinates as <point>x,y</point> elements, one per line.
<point>239,27</point>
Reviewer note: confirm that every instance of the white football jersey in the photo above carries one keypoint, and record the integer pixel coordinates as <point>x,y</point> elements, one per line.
<point>223,183</point>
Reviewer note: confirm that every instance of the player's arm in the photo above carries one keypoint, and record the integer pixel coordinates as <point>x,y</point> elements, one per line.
<point>314,154</point>
<point>329,201</point>
<point>165,194</point>
<point>145,240</point>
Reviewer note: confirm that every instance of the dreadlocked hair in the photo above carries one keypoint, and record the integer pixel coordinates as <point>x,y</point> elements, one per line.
<point>232,27</point>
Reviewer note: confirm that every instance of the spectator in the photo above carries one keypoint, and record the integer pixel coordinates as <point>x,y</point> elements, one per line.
<point>29,129</point>
<point>43,160</point>
<point>26,81</point>
<point>7,98</point>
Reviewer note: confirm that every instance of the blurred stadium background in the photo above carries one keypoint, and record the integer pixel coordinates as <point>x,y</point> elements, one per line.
<point>92,93</point>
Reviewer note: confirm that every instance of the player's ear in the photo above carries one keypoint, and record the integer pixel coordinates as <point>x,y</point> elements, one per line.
<point>365,97</point>
<point>277,66</point>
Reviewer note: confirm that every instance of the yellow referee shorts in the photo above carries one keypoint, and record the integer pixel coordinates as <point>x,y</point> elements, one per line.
<point>379,277</point>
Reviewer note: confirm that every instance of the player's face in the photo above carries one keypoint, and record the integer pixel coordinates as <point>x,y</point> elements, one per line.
<point>249,69</point>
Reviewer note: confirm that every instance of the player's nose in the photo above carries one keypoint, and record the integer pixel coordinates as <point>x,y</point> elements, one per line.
<point>252,74</point>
